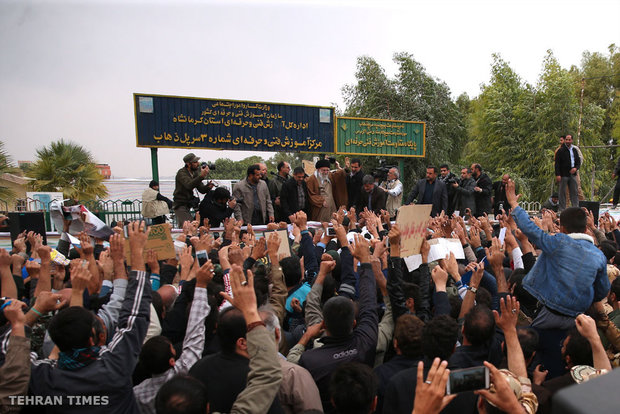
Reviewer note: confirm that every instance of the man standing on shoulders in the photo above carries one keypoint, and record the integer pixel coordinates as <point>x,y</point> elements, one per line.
<point>188,178</point>
<point>371,196</point>
<point>394,189</point>
<point>355,175</point>
<point>275,189</point>
<point>567,162</point>
<point>483,190</point>
<point>324,191</point>
<point>448,179</point>
<point>253,201</point>
<point>294,195</point>
<point>430,191</point>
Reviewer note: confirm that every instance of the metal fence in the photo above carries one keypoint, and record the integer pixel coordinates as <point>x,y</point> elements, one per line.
<point>107,211</point>
<point>110,211</point>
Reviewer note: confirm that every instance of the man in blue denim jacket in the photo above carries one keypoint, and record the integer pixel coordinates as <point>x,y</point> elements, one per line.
<point>570,274</point>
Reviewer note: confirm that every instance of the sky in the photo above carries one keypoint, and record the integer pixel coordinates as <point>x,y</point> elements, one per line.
<point>69,69</point>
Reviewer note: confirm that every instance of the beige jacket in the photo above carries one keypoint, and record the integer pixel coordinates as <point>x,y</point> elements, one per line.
<point>151,206</point>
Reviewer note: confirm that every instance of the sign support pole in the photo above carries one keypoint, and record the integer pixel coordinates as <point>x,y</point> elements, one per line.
<point>154,165</point>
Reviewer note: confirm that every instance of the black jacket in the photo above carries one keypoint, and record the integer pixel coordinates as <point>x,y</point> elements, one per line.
<point>225,375</point>
<point>483,199</point>
<point>289,203</point>
<point>213,211</point>
<point>440,196</point>
<point>378,198</point>
<point>400,394</point>
<point>499,197</point>
<point>275,190</point>
<point>359,346</point>
<point>387,370</point>
<point>562,161</point>
<point>466,196</point>
<point>354,187</point>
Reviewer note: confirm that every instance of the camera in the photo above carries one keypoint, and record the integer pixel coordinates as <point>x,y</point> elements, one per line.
<point>211,166</point>
<point>451,180</point>
<point>332,160</point>
<point>382,170</point>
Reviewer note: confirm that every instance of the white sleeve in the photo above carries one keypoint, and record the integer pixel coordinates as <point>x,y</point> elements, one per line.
<point>396,191</point>
<point>517,258</point>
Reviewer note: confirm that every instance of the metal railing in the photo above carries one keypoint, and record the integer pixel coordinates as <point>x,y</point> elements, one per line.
<point>530,206</point>
<point>110,211</point>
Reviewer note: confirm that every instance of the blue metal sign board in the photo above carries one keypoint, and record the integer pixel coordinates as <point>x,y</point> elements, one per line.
<point>224,124</point>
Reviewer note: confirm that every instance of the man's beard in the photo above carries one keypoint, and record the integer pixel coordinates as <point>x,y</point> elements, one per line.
<point>323,177</point>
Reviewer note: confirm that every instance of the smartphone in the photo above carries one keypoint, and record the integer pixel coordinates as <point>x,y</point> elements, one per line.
<point>202,257</point>
<point>331,231</point>
<point>468,379</point>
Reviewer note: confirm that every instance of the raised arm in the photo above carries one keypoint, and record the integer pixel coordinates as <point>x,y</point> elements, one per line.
<point>194,341</point>
<point>265,373</point>
<point>123,350</point>
<point>507,322</point>
<point>9,289</point>
<point>587,328</point>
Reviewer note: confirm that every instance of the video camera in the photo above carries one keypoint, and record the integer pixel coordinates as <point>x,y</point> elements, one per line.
<point>381,171</point>
<point>452,180</point>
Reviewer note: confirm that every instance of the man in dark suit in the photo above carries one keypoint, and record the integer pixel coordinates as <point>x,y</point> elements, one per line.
<point>371,196</point>
<point>355,176</point>
<point>499,195</point>
<point>430,191</point>
<point>482,191</point>
<point>294,194</point>
<point>567,162</point>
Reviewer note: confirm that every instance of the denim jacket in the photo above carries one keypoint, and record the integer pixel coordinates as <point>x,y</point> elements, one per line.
<point>570,274</point>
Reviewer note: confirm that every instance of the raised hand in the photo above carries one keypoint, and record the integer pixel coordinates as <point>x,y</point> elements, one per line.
<point>204,275</point>
<point>361,249</point>
<point>507,320</point>
<point>243,297</point>
<point>430,395</point>
<point>151,260</point>
<point>440,277</point>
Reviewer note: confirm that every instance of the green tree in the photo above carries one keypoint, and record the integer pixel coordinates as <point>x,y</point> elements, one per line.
<point>67,167</point>
<point>226,169</point>
<point>500,123</point>
<point>6,193</point>
<point>515,126</point>
<point>413,95</point>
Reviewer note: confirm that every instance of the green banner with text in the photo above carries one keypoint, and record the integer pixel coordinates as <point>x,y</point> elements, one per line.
<point>364,136</point>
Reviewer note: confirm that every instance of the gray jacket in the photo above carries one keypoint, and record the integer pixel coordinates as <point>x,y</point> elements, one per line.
<point>465,197</point>
<point>243,192</point>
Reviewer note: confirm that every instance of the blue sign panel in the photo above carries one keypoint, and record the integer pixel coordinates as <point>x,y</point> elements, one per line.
<point>222,124</point>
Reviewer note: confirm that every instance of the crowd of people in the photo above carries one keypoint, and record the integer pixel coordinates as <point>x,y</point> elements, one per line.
<point>258,200</point>
<point>333,321</point>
